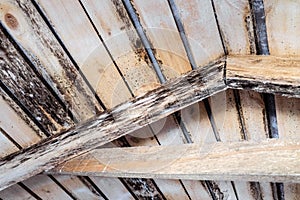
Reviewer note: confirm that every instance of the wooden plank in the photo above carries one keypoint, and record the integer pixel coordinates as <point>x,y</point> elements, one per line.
<point>15,192</point>
<point>104,128</point>
<point>161,32</point>
<point>270,160</point>
<point>200,28</point>
<point>78,188</point>
<point>25,85</point>
<point>7,147</point>
<point>119,35</point>
<point>22,21</point>
<point>86,48</point>
<point>112,188</point>
<point>269,74</point>
<point>43,186</point>
<point>17,124</point>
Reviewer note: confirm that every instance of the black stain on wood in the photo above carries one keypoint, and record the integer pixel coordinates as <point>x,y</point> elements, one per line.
<point>25,85</point>
<point>69,83</point>
<point>143,188</point>
<point>255,191</point>
<point>133,37</point>
<point>105,127</point>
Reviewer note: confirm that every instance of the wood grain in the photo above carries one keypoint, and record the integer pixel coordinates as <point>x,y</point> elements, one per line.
<point>270,160</point>
<point>269,74</point>
<point>153,106</point>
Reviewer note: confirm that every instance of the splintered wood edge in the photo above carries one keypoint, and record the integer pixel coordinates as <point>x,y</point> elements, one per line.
<point>243,72</point>
<point>265,74</point>
<point>177,94</point>
<point>271,160</point>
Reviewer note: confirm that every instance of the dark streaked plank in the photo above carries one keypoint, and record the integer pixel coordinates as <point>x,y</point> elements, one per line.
<point>155,105</point>
<point>269,74</point>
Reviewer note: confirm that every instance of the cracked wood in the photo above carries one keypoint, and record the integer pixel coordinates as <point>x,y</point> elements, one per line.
<point>157,104</point>
<point>269,74</point>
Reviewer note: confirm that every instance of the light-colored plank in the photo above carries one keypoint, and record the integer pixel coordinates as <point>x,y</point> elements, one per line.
<point>282,20</point>
<point>29,30</point>
<point>112,188</point>
<point>234,13</point>
<point>269,74</point>
<point>44,187</point>
<point>163,35</point>
<point>200,29</point>
<point>153,106</point>
<point>288,117</point>
<point>121,39</point>
<point>292,191</point>
<point>197,189</point>
<point>269,160</point>
<point>15,192</point>
<point>6,146</point>
<point>16,123</point>
<point>87,49</point>
<point>77,188</point>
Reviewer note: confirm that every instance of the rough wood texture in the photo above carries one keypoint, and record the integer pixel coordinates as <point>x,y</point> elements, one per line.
<point>269,74</point>
<point>171,97</point>
<point>21,80</point>
<point>29,30</point>
<point>270,160</point>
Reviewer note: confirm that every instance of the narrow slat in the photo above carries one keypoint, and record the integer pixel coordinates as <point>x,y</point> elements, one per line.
<point>87,49</point>
<point>112,188</point>
<point>119,35</point>
<point>200,28</point>
<point>22,21</point>
<point>15,192</point>
<point>163,36</point>
<point>153,106</point>
<point>44,187</point>
<point>17,124</point>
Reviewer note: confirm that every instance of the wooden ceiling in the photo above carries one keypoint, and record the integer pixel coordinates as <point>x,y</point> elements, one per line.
<point>66,65</point>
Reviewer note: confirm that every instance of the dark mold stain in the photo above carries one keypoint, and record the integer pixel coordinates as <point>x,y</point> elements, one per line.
<point>135,41</point>
<point>143,188</point>
<point>11,21</point>
<point>256,191</point>
<point>24,84</point>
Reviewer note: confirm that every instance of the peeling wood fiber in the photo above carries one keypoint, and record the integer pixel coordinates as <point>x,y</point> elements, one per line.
<point>169,98</point>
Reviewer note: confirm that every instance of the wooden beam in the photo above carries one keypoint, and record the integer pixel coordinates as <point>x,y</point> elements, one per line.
<point>269,74</point>
<point>271,160</point>
<point>123,119</point>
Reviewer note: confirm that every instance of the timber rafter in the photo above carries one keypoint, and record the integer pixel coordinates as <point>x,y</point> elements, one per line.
<point>279,76</point>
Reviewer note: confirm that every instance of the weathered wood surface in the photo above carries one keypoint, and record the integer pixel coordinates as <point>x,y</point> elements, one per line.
<point>270,160</point>
<point>22,21</point>
<point>269,74</point>
<point>153,106</point>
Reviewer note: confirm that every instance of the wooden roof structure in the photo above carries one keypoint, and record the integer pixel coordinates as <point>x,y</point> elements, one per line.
<point>160,99</point>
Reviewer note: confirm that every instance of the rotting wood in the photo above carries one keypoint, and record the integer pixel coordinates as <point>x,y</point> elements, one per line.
<point>270,160</point>
<point>173,96</point>
<point>19,78</point>
<point>269,74</point>
<point>22,21</point>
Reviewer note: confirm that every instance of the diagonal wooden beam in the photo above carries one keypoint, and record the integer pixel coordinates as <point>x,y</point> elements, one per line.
<point>267,74</point>
<point>243,72</point>
<point>267,161</point>
<point>123,119</point>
